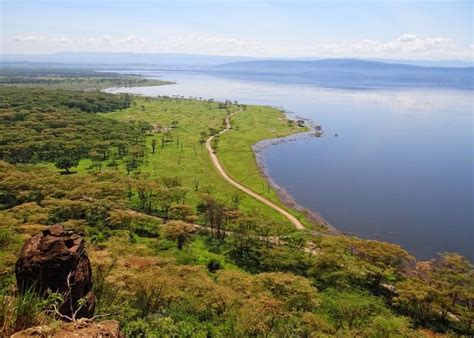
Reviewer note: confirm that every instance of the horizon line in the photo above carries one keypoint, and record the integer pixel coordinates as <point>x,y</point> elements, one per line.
<point>243,56</point>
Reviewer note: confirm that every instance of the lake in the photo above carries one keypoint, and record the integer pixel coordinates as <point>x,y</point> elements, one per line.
<point>393,165</point>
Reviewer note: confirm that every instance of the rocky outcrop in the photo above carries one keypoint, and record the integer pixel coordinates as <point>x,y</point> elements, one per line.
<point>81,328</point>
<point>55,260</point>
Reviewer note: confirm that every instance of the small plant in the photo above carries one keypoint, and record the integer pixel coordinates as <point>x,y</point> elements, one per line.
<point>21,311</point>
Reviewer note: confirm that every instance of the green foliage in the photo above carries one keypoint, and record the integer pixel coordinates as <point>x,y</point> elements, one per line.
<point>70,78</point>
<point>6,236</point>
<point>58,126</point>
<point>179,231</point>
<point>442,295</point>
<point>352,311</point>
<point>208,261</point>
<point>182,153</point>
<point>390,326</point>
<point>21,311</point>
<point>66,162</point>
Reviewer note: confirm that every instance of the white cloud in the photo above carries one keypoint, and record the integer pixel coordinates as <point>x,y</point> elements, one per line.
<point>406,45</point>
<point>27,38</point>
<point>133,39</point>
<point>106,38</point>
<point>102,42</point>
<point>61,40</point>
<point>407,38</point>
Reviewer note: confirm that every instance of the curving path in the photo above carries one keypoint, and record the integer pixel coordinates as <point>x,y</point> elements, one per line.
<point>217,164</point>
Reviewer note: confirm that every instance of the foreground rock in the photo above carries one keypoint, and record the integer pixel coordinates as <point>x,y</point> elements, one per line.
<point>55,260</point>
<point>81,328</point>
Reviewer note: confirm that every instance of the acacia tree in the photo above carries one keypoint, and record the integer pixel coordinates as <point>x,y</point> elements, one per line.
<point>147,190</point>
<point>416,298</point>
<point>453,276</point>
<point>179,231</point>
<point>66,162</point>
<point>443,290</point>
<point>352,311</point>
<point>215,216</point>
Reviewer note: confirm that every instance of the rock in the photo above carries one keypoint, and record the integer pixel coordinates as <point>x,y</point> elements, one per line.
<point>48,260</point>
<point>81,328</point>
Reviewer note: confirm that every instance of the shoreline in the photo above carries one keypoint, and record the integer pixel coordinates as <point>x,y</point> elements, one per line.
<point>285,197</point>
<point>313,217</point>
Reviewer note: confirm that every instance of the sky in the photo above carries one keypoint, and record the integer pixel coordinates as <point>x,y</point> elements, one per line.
<point>403,29</point>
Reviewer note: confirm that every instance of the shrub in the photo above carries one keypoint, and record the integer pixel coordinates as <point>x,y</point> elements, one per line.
<point>213,265</point>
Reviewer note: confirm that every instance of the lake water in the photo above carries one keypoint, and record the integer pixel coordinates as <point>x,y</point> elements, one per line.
<point>395,165</point>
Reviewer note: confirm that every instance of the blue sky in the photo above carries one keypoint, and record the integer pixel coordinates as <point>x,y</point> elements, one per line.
<point>389,29</point>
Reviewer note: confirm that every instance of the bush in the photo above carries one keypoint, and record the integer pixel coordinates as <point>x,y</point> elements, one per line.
<point>213,265</point>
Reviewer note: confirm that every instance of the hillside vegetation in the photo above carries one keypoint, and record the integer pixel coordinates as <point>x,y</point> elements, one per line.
<point>175,250</point>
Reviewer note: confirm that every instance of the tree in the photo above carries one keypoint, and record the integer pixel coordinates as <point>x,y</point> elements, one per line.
<point>212,131</point>
<point>416,298</point>
<point>260,316</point>
<point>444,290</point>
<point>295,292</point>
<point>180,212</point>
<point>236,198</point>
<point>66,162</point>
<point>390,260</point>
<point>179,231</point>
<point>215,143</point>
<point>147,191</point>
<point>351,310</point>
<point>215,215</point>
<point>131,163</point>
<point>196,184</point>
<point>453,277</point>
<point>202,137</point>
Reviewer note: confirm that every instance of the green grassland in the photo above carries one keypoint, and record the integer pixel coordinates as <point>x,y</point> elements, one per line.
<point>186,157</point>
<point>249,127</point>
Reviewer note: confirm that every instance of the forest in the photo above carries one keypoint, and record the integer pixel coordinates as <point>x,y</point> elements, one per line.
<point>52,77</point>
<point>174,250</point>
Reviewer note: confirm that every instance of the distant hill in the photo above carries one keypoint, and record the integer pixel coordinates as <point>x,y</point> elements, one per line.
<point>339,73</point>
<point>181,59</point>
<point>428,63</point>
<point>169,59</point>
<point>350,73</point>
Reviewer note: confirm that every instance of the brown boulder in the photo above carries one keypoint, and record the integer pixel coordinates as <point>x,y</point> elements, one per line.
<point>55,260</point>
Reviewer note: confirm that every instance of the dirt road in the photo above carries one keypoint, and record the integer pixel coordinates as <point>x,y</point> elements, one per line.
<point>222,172</point>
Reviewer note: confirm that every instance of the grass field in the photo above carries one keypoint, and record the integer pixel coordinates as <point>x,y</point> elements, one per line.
<point>254,124</point>
<point>187,158</point>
